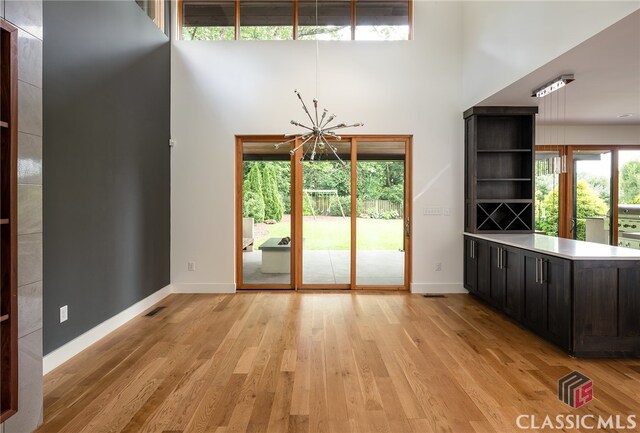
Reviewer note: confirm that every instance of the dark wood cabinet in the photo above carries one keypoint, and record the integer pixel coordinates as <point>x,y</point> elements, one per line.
<point>590,308</point>
<point>499,163</point>
<point>513,285</point>
<point>470,265</point>
<point>498,275</point>
<point>547,297</point>
<point>484,262</point>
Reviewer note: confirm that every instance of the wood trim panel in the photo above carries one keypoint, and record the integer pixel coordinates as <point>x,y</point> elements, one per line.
<point>179,17</point>
<point>615,199</point>
<point>408,212</point>
<point>8,203</point>
<point>297,210</point>
<point>353,20</point>
<point>354,210</point>
<point>296,6</point>
<point>238,210</point>
<point>237,20</point>
<point>410,19</point>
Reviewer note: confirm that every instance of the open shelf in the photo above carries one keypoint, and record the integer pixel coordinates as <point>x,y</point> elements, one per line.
<point>4,221</point>
<point>4,125</point>
<point>3,318</point>
<point>499,169</point>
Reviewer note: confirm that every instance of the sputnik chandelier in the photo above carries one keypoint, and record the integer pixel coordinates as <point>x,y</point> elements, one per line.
<point>317,134</point>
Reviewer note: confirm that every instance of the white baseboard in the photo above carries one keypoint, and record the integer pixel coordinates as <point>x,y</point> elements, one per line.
<point>438,288</point>
<point>203,288</point>
<point>80,343</point>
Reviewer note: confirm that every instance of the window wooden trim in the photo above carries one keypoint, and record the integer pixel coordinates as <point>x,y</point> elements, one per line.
<point>8,220</point>
<point>180,14</point>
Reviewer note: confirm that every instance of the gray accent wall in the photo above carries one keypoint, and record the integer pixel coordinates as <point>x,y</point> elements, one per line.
<point>27,16</point>
<point>106,121</point>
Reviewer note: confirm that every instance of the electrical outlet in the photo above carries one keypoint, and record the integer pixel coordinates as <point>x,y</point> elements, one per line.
<point>432,211</point>
<point>172,143</point>
<point>438,266</point>
<point>64,313</point>
<point>191,266</point>
<point>446,211</point>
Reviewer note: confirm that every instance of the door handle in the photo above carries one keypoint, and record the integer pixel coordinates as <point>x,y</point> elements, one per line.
<point>407,227</point>
<point>472,248</point>
<point>498,257</point>
<point>537,270</point>
<point>542,265</point>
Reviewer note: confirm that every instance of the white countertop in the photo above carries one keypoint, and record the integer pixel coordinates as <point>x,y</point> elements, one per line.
<point>560,247</point>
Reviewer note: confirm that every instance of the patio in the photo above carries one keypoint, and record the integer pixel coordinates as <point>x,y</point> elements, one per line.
<point>374,267</point>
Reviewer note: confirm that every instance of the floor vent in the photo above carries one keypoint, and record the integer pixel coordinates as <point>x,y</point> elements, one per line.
<point>154,311</point>
<point>433,295</point>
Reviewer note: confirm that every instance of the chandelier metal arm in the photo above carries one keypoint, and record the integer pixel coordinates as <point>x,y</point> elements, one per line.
<point>319,131</point>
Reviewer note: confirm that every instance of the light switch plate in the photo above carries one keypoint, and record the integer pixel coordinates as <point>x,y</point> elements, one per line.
<point>432,211</point>
<point>64,313</point>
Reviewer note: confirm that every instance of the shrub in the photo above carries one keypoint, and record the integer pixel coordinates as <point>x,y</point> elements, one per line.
<point>345,202</point>
<point>253,206</point>
<point>390,215</point>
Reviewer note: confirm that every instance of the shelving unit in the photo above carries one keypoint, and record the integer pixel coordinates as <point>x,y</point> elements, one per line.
<point>499,164</point>
<point>8,221</point>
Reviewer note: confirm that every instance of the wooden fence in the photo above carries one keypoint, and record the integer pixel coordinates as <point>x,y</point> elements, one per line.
<point>323,204</point>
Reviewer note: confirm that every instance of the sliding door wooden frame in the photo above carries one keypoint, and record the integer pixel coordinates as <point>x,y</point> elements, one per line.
<point>240,285</point>
<point>407,220</point>
<point>565,212</point>
<point>296,207</point>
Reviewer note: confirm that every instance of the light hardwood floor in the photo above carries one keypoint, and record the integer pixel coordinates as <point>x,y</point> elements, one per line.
<point>322,362</point>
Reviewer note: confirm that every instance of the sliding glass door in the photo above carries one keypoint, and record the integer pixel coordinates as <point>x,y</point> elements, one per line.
<point>592,179</point>
<point>629,199</point>
<point>340,221</point>
<point>380,219</point>
<point>326,222</point>
<point>264,225</point>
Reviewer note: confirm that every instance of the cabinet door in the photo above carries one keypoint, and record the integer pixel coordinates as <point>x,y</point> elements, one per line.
<point>470,265</point>
<point>512,263</point>
<point>498,275</point>
<point>556,277</point>
<point>484,270</point>
<point>534,296</point>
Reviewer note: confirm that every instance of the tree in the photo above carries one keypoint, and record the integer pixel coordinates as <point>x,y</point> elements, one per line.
<point>589,204</point>
<point>630,182</point>
<point>273,205</point>
<point>252,197</point>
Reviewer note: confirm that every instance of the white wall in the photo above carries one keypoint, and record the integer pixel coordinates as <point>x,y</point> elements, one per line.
<point>588,134</point>
<point>505,40</point>
<point>220,89</point>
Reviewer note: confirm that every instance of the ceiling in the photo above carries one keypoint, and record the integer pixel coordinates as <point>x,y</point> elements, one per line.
<point>607,80</point>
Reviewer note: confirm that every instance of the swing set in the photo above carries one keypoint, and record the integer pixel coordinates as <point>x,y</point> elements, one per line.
<point>327,194</point>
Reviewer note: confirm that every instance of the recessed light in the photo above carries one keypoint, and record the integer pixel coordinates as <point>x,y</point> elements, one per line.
<point>625,115</point>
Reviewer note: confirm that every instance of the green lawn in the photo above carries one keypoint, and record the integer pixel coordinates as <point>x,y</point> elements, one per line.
<point>333,233</point>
